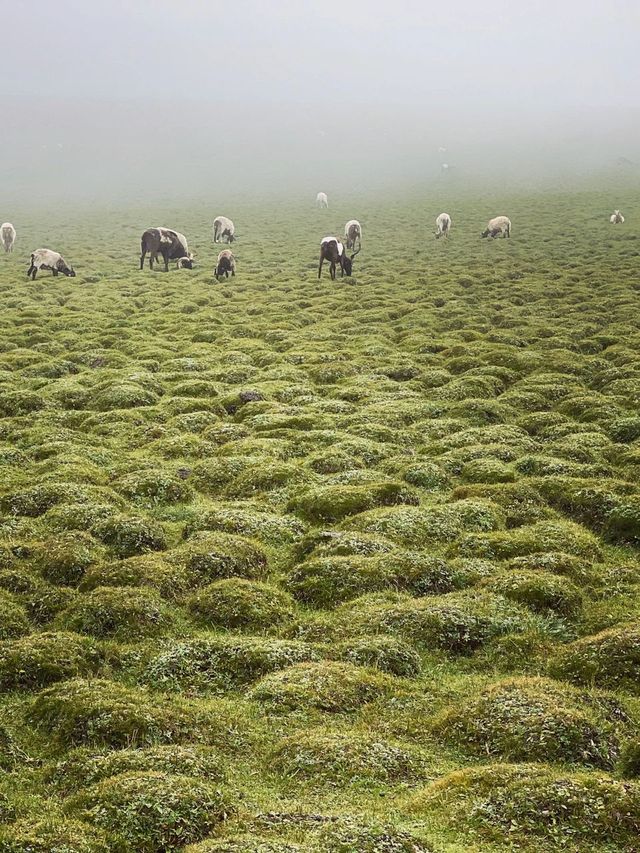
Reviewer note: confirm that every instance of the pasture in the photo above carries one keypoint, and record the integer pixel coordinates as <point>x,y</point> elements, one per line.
<point>298,565</point>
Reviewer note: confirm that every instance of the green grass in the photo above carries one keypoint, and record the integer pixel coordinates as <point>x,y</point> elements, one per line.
<point>293,564</point>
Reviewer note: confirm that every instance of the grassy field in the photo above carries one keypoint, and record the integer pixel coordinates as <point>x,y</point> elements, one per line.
<point>293,565</point>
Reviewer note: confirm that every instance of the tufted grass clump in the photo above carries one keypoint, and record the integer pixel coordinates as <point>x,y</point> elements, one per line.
<point>254,523</point>
<point>123,396</point>
<point>531,539</point>
<point>240,604</point>
<point>53,834</point>
<point>609,659</point>
<point>629,764</point>
<point>121,613</point>
<point>221,663</point>
<point>17,403</point>
<point>153,487</point>
<point>65,558</point>
<point>387,654</point>
<point>487,470</point>
<point>153,812</point>
<point>345,758</point>
<point>102,713</point>
<point>326,581</point>
<point>13,617</point>
<point>207,556</point>
<point>367,836</point>
<point>541,591</point>
<point>531,719</point>
<point>333,503</point>
<point>243,844</point>
<point>34,661</point>
<point>148,570</point>
<point>82,766</point>
<point>128,535</point>
<point>35,501</point>
<point>327,686</point>
<point>517,802</point>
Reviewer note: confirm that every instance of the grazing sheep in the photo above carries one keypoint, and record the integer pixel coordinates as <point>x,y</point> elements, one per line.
<point>46,259</point>
<point>332,250</point>
<point>616,218</point>
<point>498,225</point>
<point>164,241</point>
<point>322,200</point>
<point>353,232</point>
<point>226,264</point>
<point>443,225</point>
<point>8,234</point>
<point>223,227</point>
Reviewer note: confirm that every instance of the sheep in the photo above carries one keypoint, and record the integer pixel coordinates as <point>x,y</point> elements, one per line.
<point>164,241</point>
<point>8,234</point>
<point>332,250</point>
<point>226,264</point>
<point>223,227</point>
<point>46,259</point>
<point>616,218</point>
<point>496,226</point>
<point>322,200</point>
<point>353,232</point>
<point>443,225</point>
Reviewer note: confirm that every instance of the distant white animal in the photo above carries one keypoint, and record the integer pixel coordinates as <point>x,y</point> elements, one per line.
<point>226,264</point>
<point>443,225</point>
<point>616,218</point>
<point>8,235</point>
<point>322,200</point>
<point>353,232</point>
<point>46,259</point>
<point>500,225</point>
<point>223,228</point>
<point>445,167</point>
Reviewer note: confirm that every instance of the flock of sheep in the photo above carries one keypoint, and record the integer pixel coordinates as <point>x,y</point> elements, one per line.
<point>172,245</point>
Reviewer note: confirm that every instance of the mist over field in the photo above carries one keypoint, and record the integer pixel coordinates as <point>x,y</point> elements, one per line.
<point>148,100</point>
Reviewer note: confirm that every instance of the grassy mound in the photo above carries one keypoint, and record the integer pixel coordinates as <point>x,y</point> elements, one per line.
<point>41,659</point>
<point>151,570</point>
<point>345,758</point>
<point>123,613</point>
<point>514,803</point>
<point>610,659</point>
<point>153,812</point>
<point>243,844</point>
<point>541,591</point>
<point>531,719</point>
<point>221,663</point>
<point>130,535</point>
<point>13,617</point>
<point>328,686</point>
<point>83,766</point>
<point>333,503</point>
<point>64,559</point>
<point>213,556</point>
<point>351,834</point>
<point>241,604</point>
<point>384,653</point>
<point>153,488</point>
<point>532,539</point>
<point>52,835</point>
<point>102,713</point>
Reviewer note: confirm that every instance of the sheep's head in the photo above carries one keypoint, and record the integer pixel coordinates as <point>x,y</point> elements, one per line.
<point>69,271</point>
<point>485,233</point>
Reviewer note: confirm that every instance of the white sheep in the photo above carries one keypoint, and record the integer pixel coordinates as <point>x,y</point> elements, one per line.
<point>498,225</point>
<point>8,235</point>
<point>443,225</point>
<point>223,227</point>
<point>616,218</point>
<point>46,259</point>
<point>322,200</point>
<point>353,232</point>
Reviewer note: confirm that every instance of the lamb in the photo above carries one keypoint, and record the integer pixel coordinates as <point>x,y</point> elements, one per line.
<point>322,200</point>
<point>223,227</point>
<point>616,218</point>
<point>46,259</point>
<point>164,241</point>
<point>498,225</point>
<point>353,232</point>
<point>226,264</point>
<point>332,250</point>
<point>8,235</point>
<point>443,225</point>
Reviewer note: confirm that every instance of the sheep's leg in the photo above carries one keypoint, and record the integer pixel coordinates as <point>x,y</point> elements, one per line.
<point>320,267</point>
<point>30,270</point>
<point>55,272</point>
<point>142,257</point>
<point>165,256</point>
<point>34,273</point>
